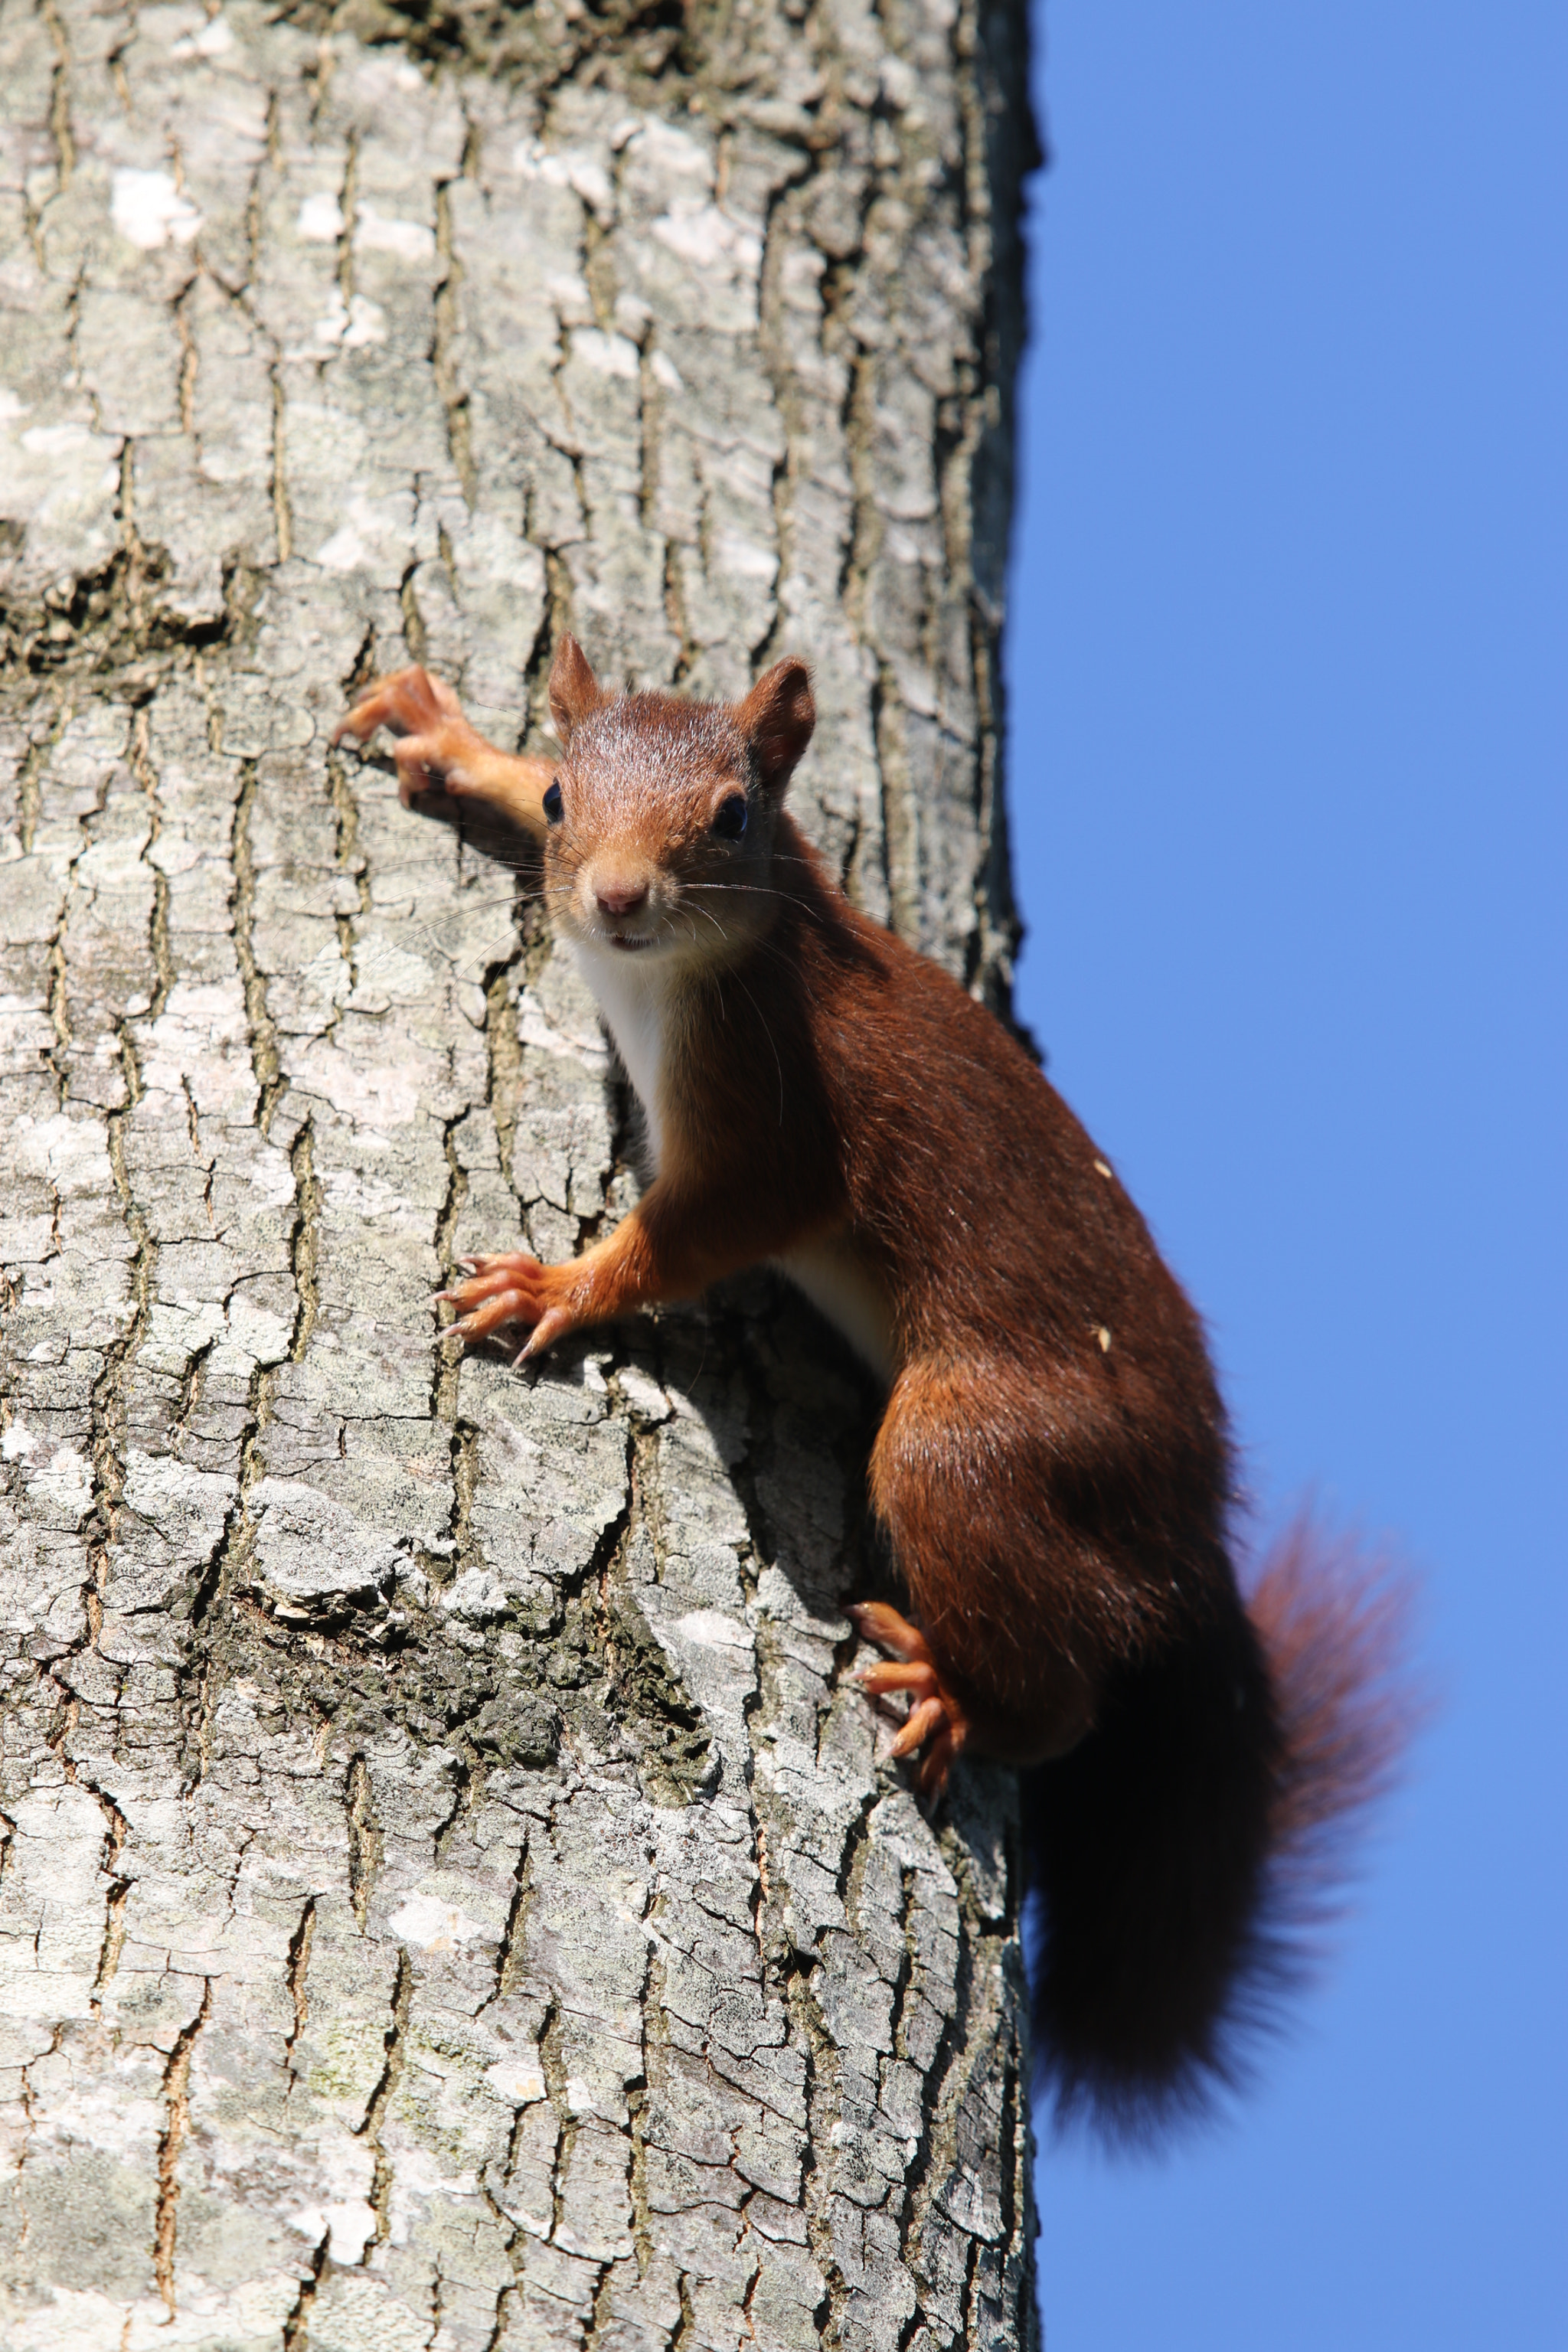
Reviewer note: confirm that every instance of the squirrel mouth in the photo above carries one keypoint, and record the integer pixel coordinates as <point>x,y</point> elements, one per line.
<point>631,940</point>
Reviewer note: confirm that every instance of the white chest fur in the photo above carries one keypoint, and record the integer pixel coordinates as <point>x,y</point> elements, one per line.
<point>636,997</point>
<point>633,993</point>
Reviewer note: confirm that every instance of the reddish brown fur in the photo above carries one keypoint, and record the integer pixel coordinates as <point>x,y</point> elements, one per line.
<point>1052,1468</point>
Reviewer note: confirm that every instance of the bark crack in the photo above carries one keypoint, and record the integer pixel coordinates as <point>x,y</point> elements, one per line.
<point>381,2099</point>
<point>263,1035</point>
<point>365,1846</point>
<point>298,1970</point>
<point>60,95</point>
<point>176,2129</point>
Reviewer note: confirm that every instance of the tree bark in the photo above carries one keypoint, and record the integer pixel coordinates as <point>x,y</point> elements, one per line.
<point>453,1896</point>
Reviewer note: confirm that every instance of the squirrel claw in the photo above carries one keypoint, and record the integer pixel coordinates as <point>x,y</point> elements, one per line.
<point>552,1324</point>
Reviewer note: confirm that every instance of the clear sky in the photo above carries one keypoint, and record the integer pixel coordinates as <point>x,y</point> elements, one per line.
<point>1289,666</point>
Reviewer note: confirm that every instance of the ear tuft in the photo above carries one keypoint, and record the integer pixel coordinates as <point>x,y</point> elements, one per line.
<point>776,718</point>
<point>574,691</point>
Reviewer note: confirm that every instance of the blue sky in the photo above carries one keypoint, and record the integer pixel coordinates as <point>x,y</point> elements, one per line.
<point>1288,673</point>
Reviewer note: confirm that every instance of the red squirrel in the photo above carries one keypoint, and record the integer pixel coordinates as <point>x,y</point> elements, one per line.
<point>1052,1470</point>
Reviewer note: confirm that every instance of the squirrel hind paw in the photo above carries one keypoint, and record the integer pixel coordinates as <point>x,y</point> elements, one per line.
<point>935,1721</point>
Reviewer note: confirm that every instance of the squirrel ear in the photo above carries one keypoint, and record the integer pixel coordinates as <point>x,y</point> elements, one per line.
<point>776,718</point>
<point>574,691</point>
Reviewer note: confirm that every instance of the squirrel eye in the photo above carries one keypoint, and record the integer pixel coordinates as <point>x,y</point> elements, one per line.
<point>731,822</point>
<point>553,804</point>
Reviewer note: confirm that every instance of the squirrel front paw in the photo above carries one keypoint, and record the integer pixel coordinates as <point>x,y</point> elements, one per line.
<point>934,1713</point>
<point>427,719</point>
<point>510,1288</point>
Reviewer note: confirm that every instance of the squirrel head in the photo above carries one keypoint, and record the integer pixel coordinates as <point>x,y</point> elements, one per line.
<point>662,814</point>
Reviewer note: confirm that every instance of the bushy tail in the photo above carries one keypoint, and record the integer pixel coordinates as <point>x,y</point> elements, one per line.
<point>1189,1852</point>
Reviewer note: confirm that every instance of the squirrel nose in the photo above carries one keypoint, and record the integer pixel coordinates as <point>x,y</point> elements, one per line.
<point>618,896</point>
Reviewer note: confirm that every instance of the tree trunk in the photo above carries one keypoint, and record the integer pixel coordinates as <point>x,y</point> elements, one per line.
<point>453,1895</point>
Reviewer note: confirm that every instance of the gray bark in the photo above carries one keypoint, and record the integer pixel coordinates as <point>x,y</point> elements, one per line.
<point>452,1893</point>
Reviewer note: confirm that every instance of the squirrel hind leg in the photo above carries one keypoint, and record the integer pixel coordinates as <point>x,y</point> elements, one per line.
<point>959,1484</point>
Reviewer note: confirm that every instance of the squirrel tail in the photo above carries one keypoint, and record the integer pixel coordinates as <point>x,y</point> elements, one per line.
<point>1188,1854</point>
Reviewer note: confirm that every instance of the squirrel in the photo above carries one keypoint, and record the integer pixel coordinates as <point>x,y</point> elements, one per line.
<point>1053,1470</point>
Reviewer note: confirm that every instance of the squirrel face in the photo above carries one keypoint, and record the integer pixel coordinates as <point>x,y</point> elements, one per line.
<point>662,814</point>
